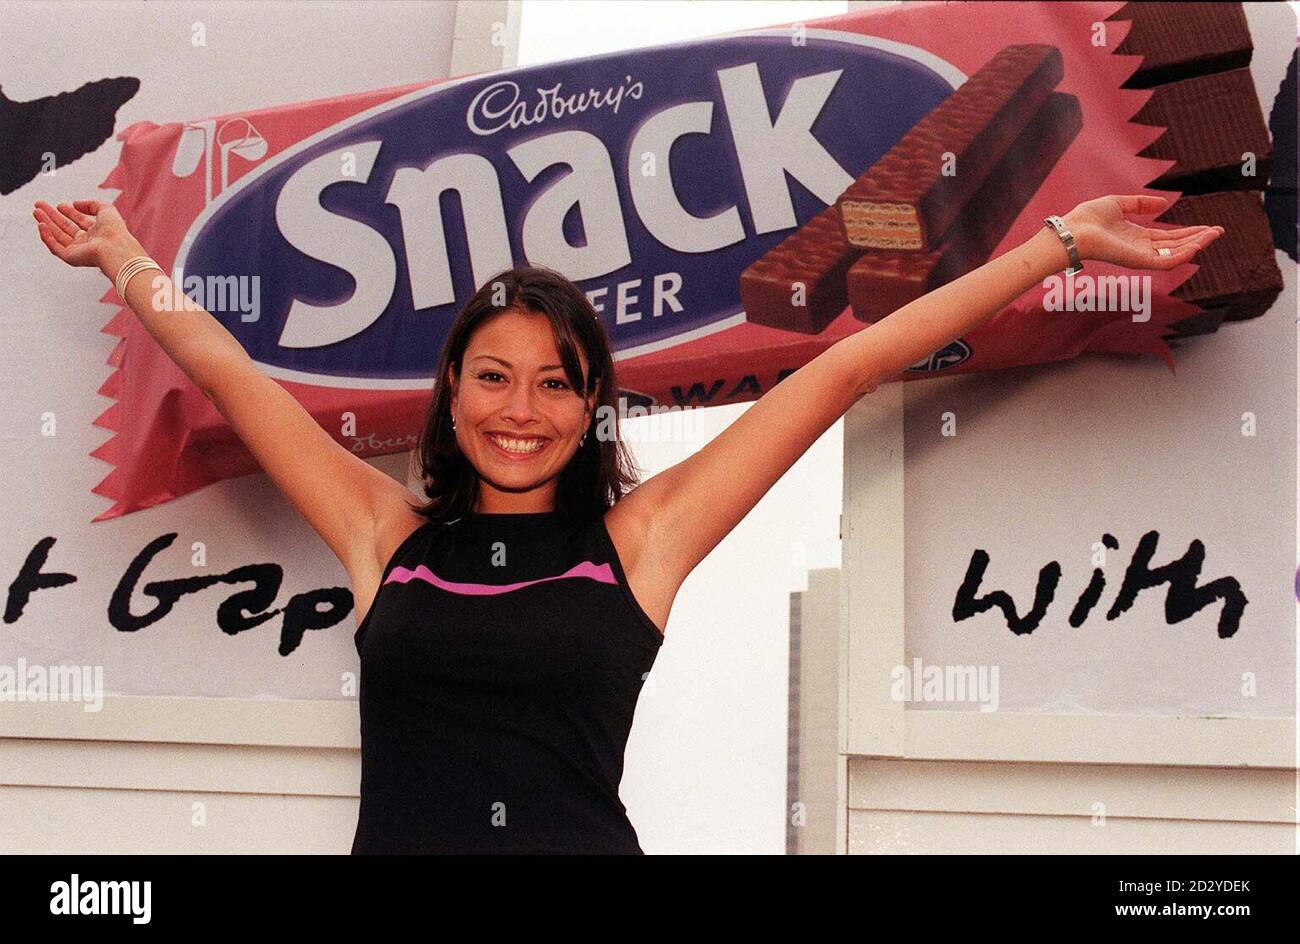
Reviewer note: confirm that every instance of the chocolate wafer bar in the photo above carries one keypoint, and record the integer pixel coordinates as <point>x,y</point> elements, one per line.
<point>1180,40</point>
<point>1211,121</point>
<point>798,285</point>
<point>882,281</point>
<point>1207,322</point>
<point>905,200</point>
<point>1238,276</point>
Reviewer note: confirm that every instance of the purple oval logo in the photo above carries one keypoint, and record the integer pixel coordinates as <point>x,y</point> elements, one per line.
<point>652,179</point>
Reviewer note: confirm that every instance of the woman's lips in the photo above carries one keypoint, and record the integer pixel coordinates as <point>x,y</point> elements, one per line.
<point>516,456</point>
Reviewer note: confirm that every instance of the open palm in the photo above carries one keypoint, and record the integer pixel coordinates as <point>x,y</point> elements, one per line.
<point>79,232</point>
<point>1102,232</point>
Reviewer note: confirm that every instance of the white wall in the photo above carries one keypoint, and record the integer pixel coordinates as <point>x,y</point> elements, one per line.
<point>933,808</point>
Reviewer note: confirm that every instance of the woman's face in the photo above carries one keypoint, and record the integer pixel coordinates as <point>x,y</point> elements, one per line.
<point>518,420</point>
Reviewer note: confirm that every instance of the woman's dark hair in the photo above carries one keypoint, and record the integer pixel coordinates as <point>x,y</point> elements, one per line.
<point>601,471</point>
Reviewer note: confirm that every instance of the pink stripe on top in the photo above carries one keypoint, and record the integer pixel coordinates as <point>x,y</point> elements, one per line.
<point>587,570</point>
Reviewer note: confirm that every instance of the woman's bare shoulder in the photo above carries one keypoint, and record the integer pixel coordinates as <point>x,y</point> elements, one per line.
<point>393,522</point>
<point>627,527</point>
<point>640,551</point>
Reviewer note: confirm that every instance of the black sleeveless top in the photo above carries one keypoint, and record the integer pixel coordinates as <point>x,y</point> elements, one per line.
<point>501,662</point>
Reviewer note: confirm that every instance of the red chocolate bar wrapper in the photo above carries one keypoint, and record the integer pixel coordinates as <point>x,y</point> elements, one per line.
<point>167,439</point>
<point>883,281</point>
<point>907,200</point>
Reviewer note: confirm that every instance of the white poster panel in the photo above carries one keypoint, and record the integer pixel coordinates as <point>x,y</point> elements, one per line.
<point>1103,535</point>
<point>175,62</point>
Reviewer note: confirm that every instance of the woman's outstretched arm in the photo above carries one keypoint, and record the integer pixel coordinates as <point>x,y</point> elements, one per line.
<point>684,511</point>
<point>341,496</point>
<point>1101,232</point>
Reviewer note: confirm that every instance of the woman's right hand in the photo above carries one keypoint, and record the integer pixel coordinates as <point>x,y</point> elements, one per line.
<point>1102,231</point>
<point>85,233</point>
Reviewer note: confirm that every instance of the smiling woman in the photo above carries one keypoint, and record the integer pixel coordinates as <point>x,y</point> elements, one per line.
<point>505,647</point>
<point>515,412</point>
<point>527,365</point>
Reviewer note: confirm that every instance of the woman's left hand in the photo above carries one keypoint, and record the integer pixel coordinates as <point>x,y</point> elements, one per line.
<point>1103,232</point>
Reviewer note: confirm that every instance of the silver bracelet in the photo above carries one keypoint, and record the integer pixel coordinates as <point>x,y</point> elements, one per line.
<point>131,268</point>
<point>1057,225</point>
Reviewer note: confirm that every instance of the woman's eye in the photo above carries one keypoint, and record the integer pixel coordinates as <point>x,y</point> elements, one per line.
<point>490,374</point>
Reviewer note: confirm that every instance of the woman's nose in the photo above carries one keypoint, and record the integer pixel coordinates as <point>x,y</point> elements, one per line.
<point>519,407</point>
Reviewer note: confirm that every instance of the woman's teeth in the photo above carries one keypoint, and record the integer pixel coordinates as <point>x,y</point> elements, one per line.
<point>518,446</point>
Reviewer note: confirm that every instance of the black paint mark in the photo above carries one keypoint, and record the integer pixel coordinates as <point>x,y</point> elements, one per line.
<point>967,604</point>
<point>229,614</point>
<point>1184,598</point>
<point>30,579</point>
<point>232,613</point>
<point>1092,593</point>
<point>1182,601</point>
<point>68,125</point>
<point>301,614</point>
<point>242,611</point>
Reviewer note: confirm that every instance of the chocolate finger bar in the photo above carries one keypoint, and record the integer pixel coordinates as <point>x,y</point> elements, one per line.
<point>1211,121</point>
<point>1238,276</point>
<point>909,198</point>
<point>1180,40</point>
<point>883,281</point>
<point>798,285</point>
<point>1207,322</point>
